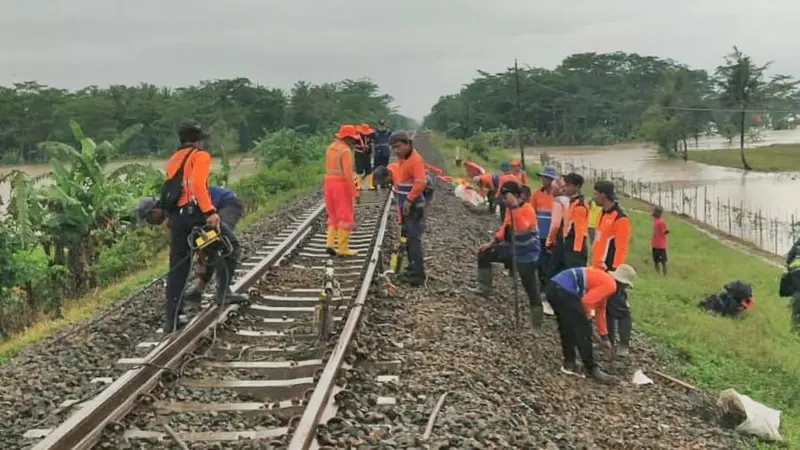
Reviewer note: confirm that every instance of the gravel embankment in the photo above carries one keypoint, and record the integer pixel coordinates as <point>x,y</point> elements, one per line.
<point>61,367</point>
<point>504,388</point>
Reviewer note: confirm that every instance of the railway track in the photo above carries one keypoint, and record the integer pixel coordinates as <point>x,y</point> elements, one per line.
<point>270,367</point>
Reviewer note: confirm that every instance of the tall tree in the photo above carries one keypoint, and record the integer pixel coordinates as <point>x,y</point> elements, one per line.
<point>743,85</point>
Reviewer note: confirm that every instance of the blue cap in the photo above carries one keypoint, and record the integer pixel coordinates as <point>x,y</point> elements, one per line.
<point>505,166</point>
<point>549,172</point>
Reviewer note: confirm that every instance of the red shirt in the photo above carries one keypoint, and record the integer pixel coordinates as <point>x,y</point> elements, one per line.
<point>659,239</point>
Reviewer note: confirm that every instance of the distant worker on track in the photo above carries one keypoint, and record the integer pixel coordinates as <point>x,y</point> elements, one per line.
<point>609,251</point>
<point>521,221</point>
<point>363,156</point>
<point>519,172</point>
<point>230,209</point>
<point>574,293</point>
<point>411,184</point>
<point>186,201</point>
<point>339,191</point>
<point>486,184</point>
<point>576,230</point>
<point>382,148</point>
<point>558,223</point>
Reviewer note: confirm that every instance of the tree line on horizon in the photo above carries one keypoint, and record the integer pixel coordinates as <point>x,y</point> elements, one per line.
<point>238,109</point>
<point>604,98</point>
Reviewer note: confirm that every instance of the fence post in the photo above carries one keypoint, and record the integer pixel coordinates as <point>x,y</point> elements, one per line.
<point>706,204</point>
<point>696,216</point>
<point>741,224</point>
<point>776,235</point>
<point>730,219</point>
<point>760,229</point>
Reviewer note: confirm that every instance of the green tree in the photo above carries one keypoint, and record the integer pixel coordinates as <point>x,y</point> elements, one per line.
<point>743,85</point>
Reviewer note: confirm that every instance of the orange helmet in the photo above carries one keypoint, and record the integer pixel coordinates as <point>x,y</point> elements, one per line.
<point>515,163</point>
<point>347,131</point>
<point>365,129</point>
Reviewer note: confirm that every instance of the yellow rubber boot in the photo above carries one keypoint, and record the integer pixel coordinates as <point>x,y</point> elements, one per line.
<point>370,183</point>
<point>343,236</point>
<point>330,243</point>
<point>359,182</point>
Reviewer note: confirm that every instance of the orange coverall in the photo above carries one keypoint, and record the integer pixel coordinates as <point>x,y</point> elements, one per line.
<point>338,188</point>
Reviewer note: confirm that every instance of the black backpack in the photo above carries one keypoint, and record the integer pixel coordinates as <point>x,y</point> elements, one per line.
<point>173,187</point>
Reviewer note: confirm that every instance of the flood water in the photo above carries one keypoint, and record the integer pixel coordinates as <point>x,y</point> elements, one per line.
<point>241,167</point>
<point>758,207</point>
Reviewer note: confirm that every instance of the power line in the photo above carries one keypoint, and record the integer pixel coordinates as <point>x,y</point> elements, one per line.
<point>674,108</point>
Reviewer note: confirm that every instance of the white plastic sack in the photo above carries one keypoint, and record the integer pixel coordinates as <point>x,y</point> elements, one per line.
<point>469,195</point>
<point>762,421</point>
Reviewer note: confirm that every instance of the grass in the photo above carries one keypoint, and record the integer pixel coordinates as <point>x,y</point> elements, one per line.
<point>758,355</point>
<point>76,310</point>
<point>774,158</point>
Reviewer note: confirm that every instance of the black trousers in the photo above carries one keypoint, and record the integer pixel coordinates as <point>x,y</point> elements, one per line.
<point>616,309</point>
<point>363,165</point>
<point>381,157</point>
<point>574,328</point>
<point>413,225</point>
<point>544,262</point>
<point>230,212</point>
<point>181,223</point>
<point>573,258</point>
<point>502,205</point>
<point>528,276</point>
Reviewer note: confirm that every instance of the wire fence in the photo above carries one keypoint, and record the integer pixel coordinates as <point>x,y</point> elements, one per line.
<point>699,203</point>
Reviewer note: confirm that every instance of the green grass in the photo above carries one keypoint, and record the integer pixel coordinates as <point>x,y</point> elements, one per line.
<point>447,148</point>
<point>758,355</point>
<point>76,310</point>
<point>774,158</point>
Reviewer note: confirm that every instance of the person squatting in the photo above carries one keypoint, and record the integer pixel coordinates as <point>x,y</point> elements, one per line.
<point>545,240</point>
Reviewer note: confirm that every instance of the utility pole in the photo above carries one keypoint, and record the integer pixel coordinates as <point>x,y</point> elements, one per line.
<point>519,115</point>
<point>466,123</point>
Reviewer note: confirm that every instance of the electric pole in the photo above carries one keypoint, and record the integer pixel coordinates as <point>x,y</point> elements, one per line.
<point>519,115</point>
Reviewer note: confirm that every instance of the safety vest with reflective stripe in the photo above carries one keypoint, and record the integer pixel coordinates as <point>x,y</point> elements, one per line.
<point>335,156</point>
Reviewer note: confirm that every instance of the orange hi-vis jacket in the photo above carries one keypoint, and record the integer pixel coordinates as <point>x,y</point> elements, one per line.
<point>394,171</point>
<point>577,224</point>
<point>411,178</point>
<point>593,286</point>
<point>195,177</point>
<point>339,165</point>
<point>521,175</point>
<point>611,239</point>
<point>542,202</point>
<point>506,177</point>
<point>528,247</point>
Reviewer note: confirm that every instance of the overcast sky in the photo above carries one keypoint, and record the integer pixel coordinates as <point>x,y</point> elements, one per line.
<point>416,50</point>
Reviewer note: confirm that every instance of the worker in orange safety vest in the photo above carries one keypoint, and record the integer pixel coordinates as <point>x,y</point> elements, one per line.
<point>506,176</point>
<point>339,191</point>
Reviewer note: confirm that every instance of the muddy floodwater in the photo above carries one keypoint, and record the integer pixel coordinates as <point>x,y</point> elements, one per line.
<point>758,207</point>
<point>241,167</point>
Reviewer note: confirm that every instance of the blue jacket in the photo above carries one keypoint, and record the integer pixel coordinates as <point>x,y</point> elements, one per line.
<point>381,139</point>
<point>220,195</point>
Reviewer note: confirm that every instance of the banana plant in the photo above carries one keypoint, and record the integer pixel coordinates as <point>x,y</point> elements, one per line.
<point>82,200</point>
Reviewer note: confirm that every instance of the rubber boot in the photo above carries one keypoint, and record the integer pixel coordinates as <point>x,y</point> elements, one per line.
<point>484,282</point>
<point>343,236</point>
<point>330,243</point>
<point>370,182</point>
<point>359,182</point>
<point>537,317</point>
<point>600,375</point>
<point>623,347</point>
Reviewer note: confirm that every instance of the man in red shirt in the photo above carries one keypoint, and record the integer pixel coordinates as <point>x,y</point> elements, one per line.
<point>659,240</point>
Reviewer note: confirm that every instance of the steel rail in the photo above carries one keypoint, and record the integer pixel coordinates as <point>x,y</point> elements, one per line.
<point>84,429</point>
<point>305,433</point>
